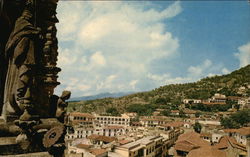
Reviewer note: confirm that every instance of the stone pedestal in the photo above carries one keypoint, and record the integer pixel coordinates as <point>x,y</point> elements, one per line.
<point>10,148</point>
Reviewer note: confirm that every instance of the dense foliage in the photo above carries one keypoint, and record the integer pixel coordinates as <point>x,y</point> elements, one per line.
<point>237,120</point>
<point>113,111</point>
<point>197,127</point>
<point>211,108</point>
<point>142,110</point>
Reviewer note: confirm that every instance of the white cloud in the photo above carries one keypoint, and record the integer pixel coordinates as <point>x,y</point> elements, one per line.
<point>159,78</point>
<point>98,59</point>
<point>83,87</point>
<point>197,71</point>
<point>194,73</point>
<point>66,57</point>
<point>244,54</point>
<point>225,71</point>
<point>133,84</point>
<point>109,46</point>
<point>165,79</point>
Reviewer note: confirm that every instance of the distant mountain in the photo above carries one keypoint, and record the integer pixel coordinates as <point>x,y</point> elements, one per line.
<point>236,83</point>
<point>101,96</point>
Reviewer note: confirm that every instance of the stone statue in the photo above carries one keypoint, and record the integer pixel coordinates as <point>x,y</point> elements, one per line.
<point>61,105</point>
<point>21,55</point>
<point>28,76</point>
<point>5,30</point>
<point>31,55</point>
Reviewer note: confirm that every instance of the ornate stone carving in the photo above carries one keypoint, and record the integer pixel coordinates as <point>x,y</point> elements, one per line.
<point>28,76</point>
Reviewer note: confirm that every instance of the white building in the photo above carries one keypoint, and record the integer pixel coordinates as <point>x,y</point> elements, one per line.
<point>192,101</point>
<point>218,98</point>
<point>241,135</point>
<point>81,119</point>
<point>146,147</point>
<point>79,132</point>
<point>153,121</point>
<point>209,122</point>
<point>244,103</point>
<point>216,137</point>
<point>123,120</point>
<point>83,150</point>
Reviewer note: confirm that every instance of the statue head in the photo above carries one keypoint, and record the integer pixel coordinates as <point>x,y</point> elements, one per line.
<point>65,95</point>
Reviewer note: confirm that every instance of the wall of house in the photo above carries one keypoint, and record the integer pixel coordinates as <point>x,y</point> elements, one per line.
<point>240,138</point>
<point>123,152</point>
<point>216,137</point>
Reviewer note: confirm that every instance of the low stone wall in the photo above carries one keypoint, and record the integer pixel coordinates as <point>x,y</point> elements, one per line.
<point>38,154</point>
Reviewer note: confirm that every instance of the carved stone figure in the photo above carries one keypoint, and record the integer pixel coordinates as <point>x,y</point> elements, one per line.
<point>21,56</point>
<point>61,105</point>
<point>5,30</point>
<point>31,54</point>
<point>28,76</point>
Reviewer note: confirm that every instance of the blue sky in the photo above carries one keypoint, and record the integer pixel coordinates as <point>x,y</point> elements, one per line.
<point>115,46</point>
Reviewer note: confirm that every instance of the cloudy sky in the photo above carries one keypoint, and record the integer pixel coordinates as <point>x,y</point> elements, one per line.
<point>114,46</point>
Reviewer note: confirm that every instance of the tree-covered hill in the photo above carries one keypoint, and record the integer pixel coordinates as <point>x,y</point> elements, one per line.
<point>236,83</point>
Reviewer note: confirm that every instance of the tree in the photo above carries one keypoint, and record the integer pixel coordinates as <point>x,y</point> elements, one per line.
<point>197,127</point>
<point>229,123</point>
<point>165,112</point>
<point>113,111</point>
<point>142,109</point>
<point>182,114</point>
<point>160,101</point>
<point>242,117</point>
<point>197,114</point>
<point>237,120</point>
<point>237,106</point>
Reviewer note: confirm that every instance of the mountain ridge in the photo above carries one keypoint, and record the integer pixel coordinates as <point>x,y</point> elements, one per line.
<point>100,96</point>
<point>228,84</point>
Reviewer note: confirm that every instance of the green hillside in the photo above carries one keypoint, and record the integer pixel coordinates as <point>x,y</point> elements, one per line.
<point>173,94</point>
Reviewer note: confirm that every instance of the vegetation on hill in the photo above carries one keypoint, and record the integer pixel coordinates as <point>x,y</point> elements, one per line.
<point>171,96</point>
<point>237,120</point>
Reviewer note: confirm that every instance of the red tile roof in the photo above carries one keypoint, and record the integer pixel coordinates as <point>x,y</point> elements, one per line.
<point>189,141</point>
<point>204,134</point>
<point>175,111</point>
<point>226,141</point>
<point>185,146</point>
<point>206,152</point>
<point>79,114</point>
<point>188,111</point>
<point>213,103</point>
<point>114,127</point>
<point>174,124</point>
<point>244,131</point>
<point>124,141</point>
<point>97,151</point>
<point>101,138</point>
<point>83,146</point>
<point>233,98</point>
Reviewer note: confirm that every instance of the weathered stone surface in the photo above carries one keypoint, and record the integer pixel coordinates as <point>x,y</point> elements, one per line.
<point>7,140</point>
<point>38,154</point>
<point>34,117</point>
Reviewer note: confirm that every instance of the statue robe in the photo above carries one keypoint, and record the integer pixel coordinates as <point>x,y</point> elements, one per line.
<point>20,53</point>
<point>5,29</point>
